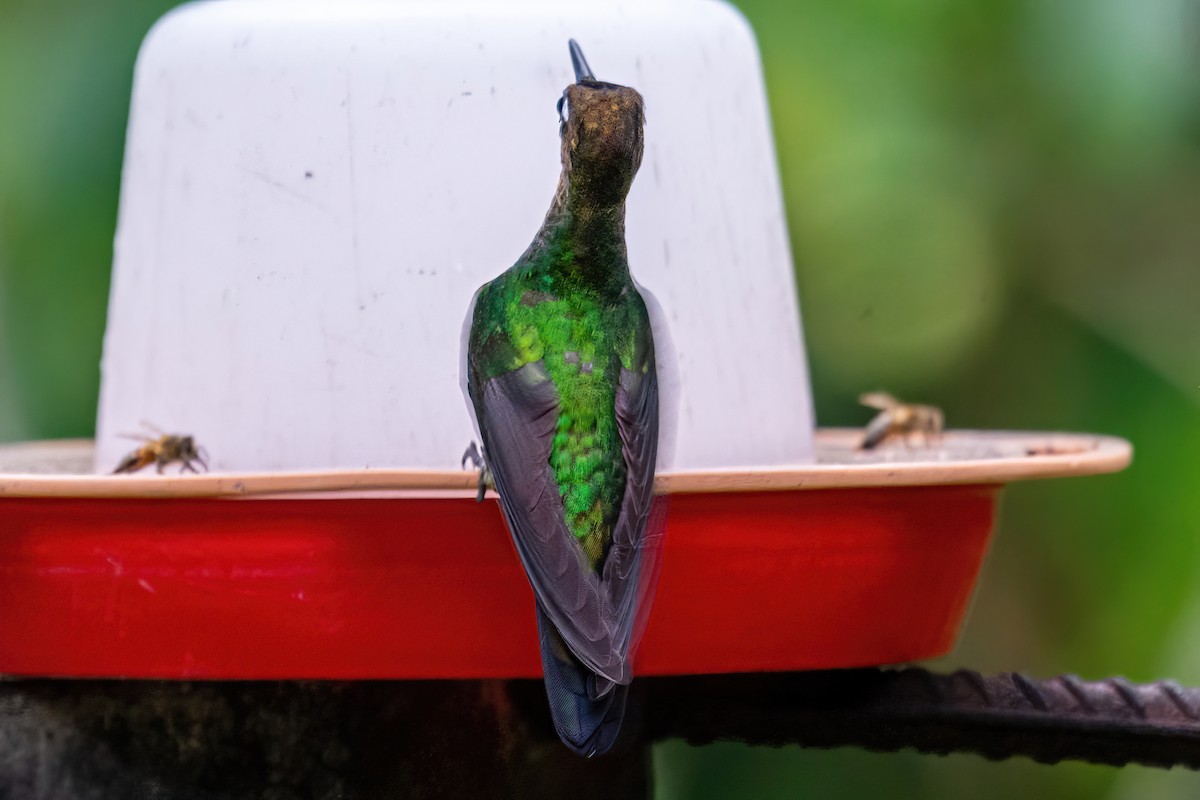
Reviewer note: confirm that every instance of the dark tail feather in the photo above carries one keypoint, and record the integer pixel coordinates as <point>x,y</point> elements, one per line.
<point>586,723</point>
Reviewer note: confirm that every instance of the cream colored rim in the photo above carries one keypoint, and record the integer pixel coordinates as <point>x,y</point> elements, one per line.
<point>59,469</point>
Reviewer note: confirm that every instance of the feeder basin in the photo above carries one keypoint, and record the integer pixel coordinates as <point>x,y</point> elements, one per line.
<point>859,559</point>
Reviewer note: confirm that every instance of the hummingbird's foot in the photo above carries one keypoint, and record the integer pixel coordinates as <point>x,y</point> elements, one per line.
<point>472,454</point>
<point>485,474</point>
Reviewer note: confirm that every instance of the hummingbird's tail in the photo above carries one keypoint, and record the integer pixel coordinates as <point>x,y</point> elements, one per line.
<point>587,711</point>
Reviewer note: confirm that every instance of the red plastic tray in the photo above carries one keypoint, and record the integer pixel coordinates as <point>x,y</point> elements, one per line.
<point>371,588</point>
<point>387,587</point>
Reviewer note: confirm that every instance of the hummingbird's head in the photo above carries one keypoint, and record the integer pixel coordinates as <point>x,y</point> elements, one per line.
<point>601,134</point>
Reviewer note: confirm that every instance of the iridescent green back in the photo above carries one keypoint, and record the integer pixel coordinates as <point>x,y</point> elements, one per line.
<point>583,335</point>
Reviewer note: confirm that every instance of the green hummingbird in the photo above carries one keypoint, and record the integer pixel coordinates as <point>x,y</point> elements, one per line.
<point>561,377</point>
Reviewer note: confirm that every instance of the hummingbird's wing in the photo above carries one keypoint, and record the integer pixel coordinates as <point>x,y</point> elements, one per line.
<point>596,614</point>
<point>630,569</point>
<point>518,414</point>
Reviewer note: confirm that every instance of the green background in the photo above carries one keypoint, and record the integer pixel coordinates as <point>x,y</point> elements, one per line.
<point>994,207</point>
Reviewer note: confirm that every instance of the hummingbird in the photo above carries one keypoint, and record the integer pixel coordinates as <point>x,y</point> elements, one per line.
<point>561,377</point>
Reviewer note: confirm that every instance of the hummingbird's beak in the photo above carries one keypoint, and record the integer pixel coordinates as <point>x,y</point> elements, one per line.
<point>582,71</point>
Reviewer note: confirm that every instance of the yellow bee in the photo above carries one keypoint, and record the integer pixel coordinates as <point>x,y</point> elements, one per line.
<point>899,419</point>
<point>160,451</point>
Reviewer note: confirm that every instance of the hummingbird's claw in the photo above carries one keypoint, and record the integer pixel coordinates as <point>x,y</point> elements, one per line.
<point>485,474</point>
<point>472,454</point>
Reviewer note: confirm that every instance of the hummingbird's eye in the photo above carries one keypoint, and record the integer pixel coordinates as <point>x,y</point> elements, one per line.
<point>562,101</point>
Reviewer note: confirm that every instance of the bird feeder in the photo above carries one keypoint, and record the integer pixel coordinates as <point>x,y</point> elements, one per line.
<point>311,193</point>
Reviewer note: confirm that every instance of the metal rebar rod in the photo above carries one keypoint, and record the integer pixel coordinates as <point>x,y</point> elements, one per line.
<point>83,740</point>
<point>999,716</point>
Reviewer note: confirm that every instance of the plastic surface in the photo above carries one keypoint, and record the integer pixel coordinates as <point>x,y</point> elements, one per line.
<point>371,588</point>
<point>63,469</point>
<point>313,191</point>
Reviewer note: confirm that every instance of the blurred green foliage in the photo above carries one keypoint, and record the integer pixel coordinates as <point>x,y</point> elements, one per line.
<point>994,207</point>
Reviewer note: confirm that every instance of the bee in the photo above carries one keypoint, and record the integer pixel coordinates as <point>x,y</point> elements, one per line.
<point>162,450</point>
<point>899,419</point>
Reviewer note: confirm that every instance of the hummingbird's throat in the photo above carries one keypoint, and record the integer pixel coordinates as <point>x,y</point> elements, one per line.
<point>594,240</point>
